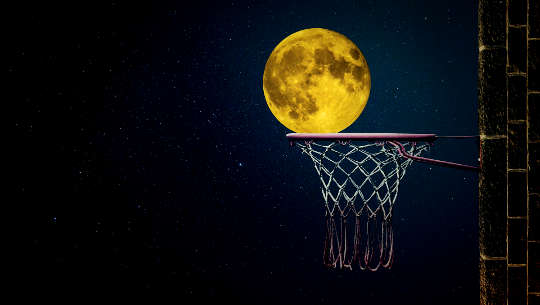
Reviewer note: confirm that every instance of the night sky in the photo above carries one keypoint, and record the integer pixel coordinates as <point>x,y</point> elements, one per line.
<point>147,157</point>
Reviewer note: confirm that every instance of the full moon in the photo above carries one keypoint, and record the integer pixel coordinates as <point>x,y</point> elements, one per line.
<point>316,81</point>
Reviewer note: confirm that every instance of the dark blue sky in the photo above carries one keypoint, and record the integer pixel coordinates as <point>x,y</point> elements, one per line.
<point>149,158</point>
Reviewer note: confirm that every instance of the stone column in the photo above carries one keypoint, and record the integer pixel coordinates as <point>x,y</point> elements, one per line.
<point>509,99</point>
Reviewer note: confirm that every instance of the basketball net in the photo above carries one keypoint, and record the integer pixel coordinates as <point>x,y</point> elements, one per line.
<point>359,185</point>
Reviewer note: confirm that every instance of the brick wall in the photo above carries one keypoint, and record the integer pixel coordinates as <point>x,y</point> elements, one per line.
<point>509,119</point>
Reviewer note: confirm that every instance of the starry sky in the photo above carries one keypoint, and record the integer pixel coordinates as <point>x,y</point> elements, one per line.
<point>148,159</point>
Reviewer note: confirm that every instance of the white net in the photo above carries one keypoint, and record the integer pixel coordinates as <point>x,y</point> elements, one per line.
<point>359,184</point>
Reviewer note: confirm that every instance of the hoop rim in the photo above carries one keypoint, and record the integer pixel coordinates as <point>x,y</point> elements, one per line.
<point>426,137</point>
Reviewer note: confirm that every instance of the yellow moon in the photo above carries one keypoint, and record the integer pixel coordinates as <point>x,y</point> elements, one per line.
<point>316,81</point>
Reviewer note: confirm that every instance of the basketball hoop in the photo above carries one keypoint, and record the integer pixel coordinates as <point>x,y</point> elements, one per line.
<point>360,175</point>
